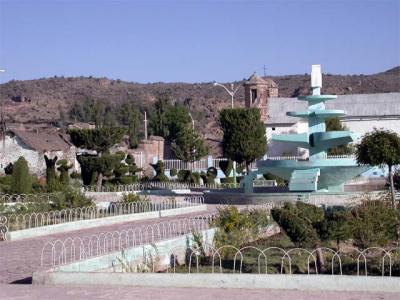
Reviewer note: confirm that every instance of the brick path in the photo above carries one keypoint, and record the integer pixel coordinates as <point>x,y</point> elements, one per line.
<point>88,292</point>
<point>19,259</point>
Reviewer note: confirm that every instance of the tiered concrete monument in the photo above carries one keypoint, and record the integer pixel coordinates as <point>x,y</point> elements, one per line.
<point>318,172</point>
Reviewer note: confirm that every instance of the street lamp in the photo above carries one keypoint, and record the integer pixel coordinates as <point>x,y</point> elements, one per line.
<point>191,118</point>
<point>231,92</point>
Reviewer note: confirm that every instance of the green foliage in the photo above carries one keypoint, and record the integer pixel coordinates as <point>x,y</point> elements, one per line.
<point>374,223</point>
<point>100,139</point>
<point>189,176</point>
<point>279,181</point>
<point>210,176</point>
<point>63,168</point>
<point>336,225</point>
<point>167,120</point>
<point>21,180</point>
<point>52,183</point>
<point>5,184</point>
<point>238,228</point>
<point>132,198</point>
<point>71,198</point>
<point>334,124</point>
<point>75,175</point>
<point>189,145</point>
<point>244,137</point>
<point>129,116</point>
<point>88,168</point>
<point>173,172</point>
<point>105,114</point>
<point>226,166</point>
<point>380,148</point>
<point>160,172</point>
<point>132,167</point>
<point>298,223</point>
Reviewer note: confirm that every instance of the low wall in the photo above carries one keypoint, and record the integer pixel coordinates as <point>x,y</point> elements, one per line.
<point>105,262</point>
<point>85,224</point>
<point>236,197</point>
<point>217,280</point>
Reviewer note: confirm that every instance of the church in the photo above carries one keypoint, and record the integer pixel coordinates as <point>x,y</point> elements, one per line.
<point>364,112</point>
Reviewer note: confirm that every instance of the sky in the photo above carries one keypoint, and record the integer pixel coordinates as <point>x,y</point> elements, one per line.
<point>195,41</point>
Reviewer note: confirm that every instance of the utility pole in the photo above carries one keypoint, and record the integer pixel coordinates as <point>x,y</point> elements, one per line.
<point>145,126</point>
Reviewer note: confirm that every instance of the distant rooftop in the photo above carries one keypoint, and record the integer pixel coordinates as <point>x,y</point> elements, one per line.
<point>41,141</point>
<point>255,79</point>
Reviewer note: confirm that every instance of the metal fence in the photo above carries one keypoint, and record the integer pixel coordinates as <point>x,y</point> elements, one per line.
<point>28,198</point>
<point>72,249</point>
<point>170,185</point>
<point>15,222</point>
<point>276,260</point>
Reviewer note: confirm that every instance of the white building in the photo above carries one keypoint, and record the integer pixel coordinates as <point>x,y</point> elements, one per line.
<point>364,112</point>
<point>33,146</point>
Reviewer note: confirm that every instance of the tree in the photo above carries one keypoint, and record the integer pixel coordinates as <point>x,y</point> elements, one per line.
<point>244,137</point>
<point>21,180</point>
<point>300,222</point>
<point>158,124</point>
<point>100,140</point>
<point>380,148</point>
<point>168,120</point>
<point>334,124</point>
<point>189,145</point>
<point>129,116</point>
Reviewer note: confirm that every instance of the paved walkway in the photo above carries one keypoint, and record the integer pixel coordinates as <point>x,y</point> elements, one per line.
<point>117,292</point>
<point>19,259</point>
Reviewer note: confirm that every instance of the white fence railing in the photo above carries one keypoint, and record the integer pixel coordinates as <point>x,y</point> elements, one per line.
<point>29,198</point>
<point>277,260</point>
<point>171,185</point>
<point>177,164</point>
<point>59,252</point>
<point>15,222</point>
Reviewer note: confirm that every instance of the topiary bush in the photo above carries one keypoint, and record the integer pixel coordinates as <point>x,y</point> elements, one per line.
<point>160,172</point>
<point>21,180</point>
<point>173,172</point>
<point>226,166</point>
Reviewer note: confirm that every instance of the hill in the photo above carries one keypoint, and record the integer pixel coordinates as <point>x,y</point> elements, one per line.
<point>43,99</point>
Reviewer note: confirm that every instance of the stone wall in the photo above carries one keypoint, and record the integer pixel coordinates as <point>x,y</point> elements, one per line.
<point>11,148</point>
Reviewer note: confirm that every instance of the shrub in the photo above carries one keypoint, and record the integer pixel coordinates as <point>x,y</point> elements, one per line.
<point>131,198</point>
<point>237,228</point>
<point>173,172</point>
<point>21,181</point>
<point>160,172</point>
<point>71,198</point>
<point>226,167</point>
<point>374,222</point>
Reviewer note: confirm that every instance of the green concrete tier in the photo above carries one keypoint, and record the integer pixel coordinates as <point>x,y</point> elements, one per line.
<point>333,172</point>
<point>318,140</point>
<point>317,98</point>
<point>323,114</point>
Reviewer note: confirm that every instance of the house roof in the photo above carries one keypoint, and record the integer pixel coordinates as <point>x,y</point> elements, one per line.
<point>41,141</point>
<point>358,105</point>
<point>255,79</point>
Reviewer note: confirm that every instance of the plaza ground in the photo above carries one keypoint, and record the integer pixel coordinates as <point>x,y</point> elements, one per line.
<point>122,293</point>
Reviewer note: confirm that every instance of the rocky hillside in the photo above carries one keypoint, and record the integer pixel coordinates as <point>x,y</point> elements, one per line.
<point>40,101</point>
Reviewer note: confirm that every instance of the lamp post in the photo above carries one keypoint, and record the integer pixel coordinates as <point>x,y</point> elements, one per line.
<point>232,93</point>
